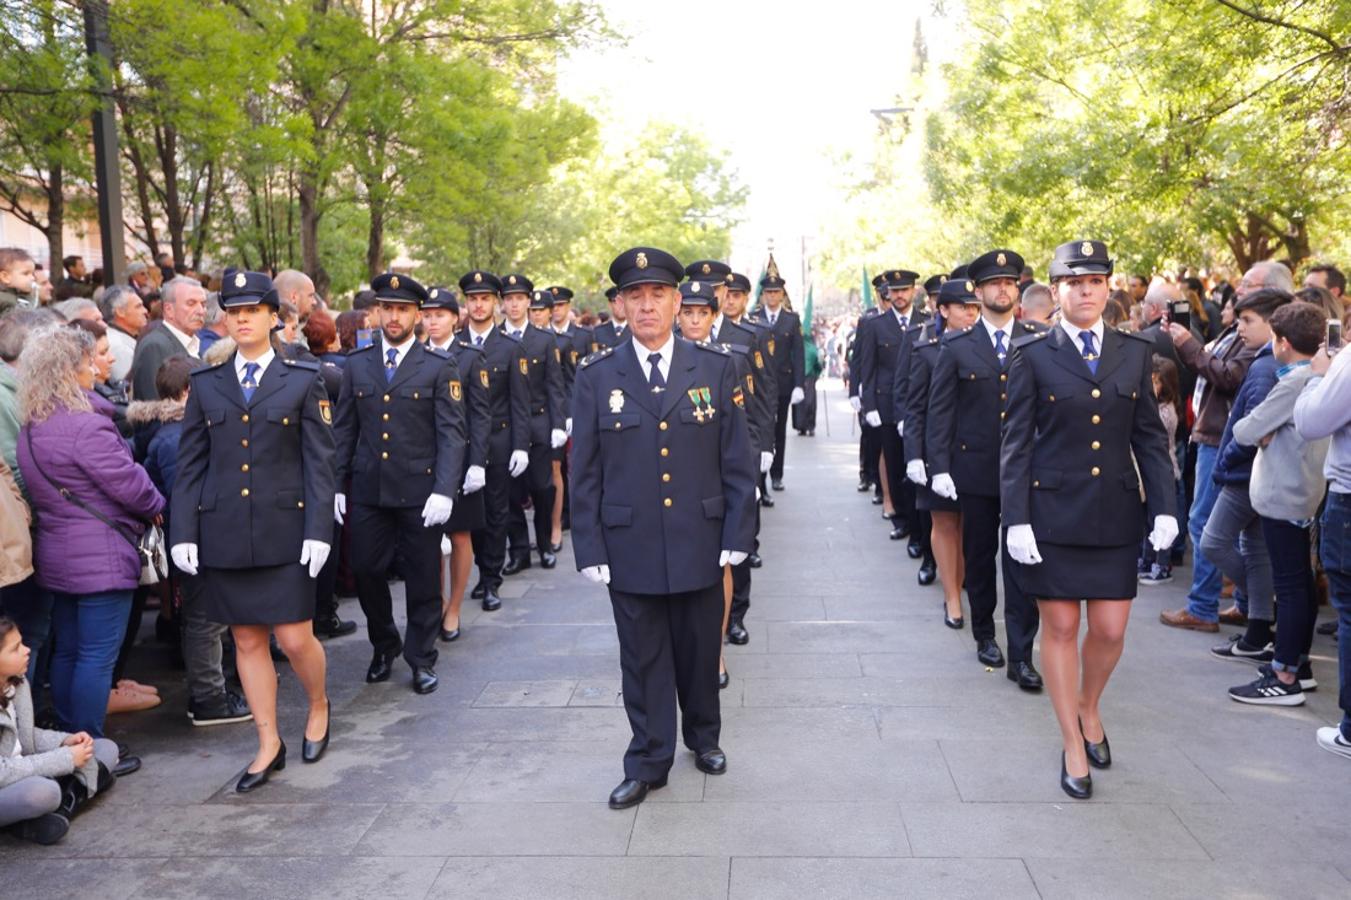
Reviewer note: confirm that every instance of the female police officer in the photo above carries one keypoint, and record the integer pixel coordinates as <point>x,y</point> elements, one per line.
<point>1081,419</point>
<point>252,504</point>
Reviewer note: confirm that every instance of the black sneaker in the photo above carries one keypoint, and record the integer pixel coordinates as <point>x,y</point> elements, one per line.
<point>1269,690</point>
<point>1307,682</point>
<point>226,710</point>
<point>1238,650</point>
<point>45,829</point>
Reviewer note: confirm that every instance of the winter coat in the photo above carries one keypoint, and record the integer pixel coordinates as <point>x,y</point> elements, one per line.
<point>164,420</point>
<point>16,542</point>
<point>41,752</point>
<point>1234,463</point>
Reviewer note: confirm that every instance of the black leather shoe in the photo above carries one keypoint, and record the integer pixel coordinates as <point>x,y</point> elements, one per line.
<point>766,500</point>
<point>478,591</point>
<point>711,762</point>
<point>724,679</point>
<point>737,633</point>
<point>491,602</point>
<point>516,564</point>
<point>1078,788</point>
<point>46,829</point>
<point>778,484</point>
<point>864,486</point>
<point>899,533</point>
<point>877,499</point>
<point>547,560</point>
<point>988,652</point>
<point>1099,754</point>
<point>379,669</point>
<point>928,572</point>
<point>127,765</point>
<point>914,549</point>
<point>252,780</point>
<point>450,634</point>
<point>424,680</point>
<point>1025,675</point>
<point>313,751</point>
<point>956,624</point>
<point>632,791</point>
<point>755,561</point>
<point>333,627</point>
<point>556,548</point>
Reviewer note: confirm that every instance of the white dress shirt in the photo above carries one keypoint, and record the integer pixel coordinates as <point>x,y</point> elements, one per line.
<point>516,331</point>
<point>667,350</point>
<point>902,318</point>
<point>189,341</point>
<point>475,336</point>
<point>400,351</point>
<point>263,362</point>
<point>717,324</point>
<point>1073,331</point>
<point>1007,331</point>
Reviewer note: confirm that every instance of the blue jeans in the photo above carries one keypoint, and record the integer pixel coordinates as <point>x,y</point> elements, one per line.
<point>1336,553</point>
<point>87,632</point>
<point>1203,600</point>
<point>31,609</point>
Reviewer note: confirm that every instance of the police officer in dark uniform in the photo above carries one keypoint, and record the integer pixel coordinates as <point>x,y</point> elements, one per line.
<point>575,343</point>
<point>252,505</point>
<point>541,364</point>
<point>663,498</point>
<point>785,360</point>
<point>613,332</point>
<point>1083,437</point>
<point>504,376</point>
<point>401,439</point>
<point>870,438</point>
<point>732,302</point>
<point>965,419</point>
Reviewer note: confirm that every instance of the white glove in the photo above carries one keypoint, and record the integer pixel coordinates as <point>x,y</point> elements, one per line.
<point>598,574</point>
<point>798,396</point>
<point>518,463</point>
<point>873,418</point>
<point>339,507</point>
<point>314,554</point>
<point>1164,533</point>
<point>766,460</point>
<point>855,404</point>
<point>900,429</point>
<point>557,438</point>
<point>567,425</point>
<point>1022,545</point>
<point>943,486</point>
<point>914,470</point>
<point>731,558</point>
<point>474,479</point>
<point>446,546</point>
<point>185,557</point>
<point>436,511</point>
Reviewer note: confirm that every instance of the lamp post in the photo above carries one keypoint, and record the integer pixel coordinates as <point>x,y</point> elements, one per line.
<point>107,175</point>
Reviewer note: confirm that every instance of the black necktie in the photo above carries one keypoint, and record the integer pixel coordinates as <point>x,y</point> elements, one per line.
<point>655,379</point>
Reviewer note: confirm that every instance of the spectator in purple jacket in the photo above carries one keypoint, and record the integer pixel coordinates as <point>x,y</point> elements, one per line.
<point>90,565</point>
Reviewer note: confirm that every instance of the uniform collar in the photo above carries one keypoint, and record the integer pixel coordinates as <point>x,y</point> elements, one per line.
<point>990,329</point>
<point>263,362</point>
<point>1098,328</point>
<point>400,351</point>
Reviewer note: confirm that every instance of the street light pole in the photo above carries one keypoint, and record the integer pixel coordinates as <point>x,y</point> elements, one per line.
<point>107,175</point>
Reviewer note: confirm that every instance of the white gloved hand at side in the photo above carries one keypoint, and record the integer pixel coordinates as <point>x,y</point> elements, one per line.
<point>436,511</point>
<point>1164,533</point>
<point>766,460</point>
<point>1022,545</point>
<point>474,479</point>
<point>873,418</point>
<point>943,486</point>
<point>446,546</point>
<point>598,574</point>
<point>185,557</point>
<point>557,438</point>
<point>900,429</point>
<point>518,463</point>
<point>314,554</point>
<point>797,397</point>
<point>731,558</point>
<point>914,470</point>
<point>567,425</point>
<point>339,507</point>
<point>855,404</point>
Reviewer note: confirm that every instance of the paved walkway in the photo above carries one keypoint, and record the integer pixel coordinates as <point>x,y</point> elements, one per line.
<point>870,756</point>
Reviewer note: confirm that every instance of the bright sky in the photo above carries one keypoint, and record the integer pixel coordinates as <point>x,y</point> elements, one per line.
<point>784,87</point>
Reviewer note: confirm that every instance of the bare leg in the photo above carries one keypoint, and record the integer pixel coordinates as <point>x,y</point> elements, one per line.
<point>726,610</point>
<point>310,664</point>
<point>258,677</point>
<point>1060,669</point>
<point>461,561</point>
<point>1102,648</point>
<point>888,508</point>
<point>946,538</point>
<point>556,530</point>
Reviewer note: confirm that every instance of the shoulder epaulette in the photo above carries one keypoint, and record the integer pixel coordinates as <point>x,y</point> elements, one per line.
<point>1134,334</point>
<point>302,364</point>
<point>466,345</point>
<point>950,336</point>
<point>712,347</point>
<point>361,349</point>
<point>202,370</point>
<point>438,353</point>
<point>1026,339</point>
<point>870,312</point>
<point>596,357</point>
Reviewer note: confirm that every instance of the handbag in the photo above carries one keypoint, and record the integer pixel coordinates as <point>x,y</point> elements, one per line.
<point>149,546</point>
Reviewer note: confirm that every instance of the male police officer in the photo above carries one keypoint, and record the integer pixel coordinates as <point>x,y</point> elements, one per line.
<point>732,312</point>
<point>786,360</point>
<point>663,492</point>
<point>400,434</point>
<point>611,333</point>
<point>869,438</point>
<point>508,446</point>
<point>966,415</point>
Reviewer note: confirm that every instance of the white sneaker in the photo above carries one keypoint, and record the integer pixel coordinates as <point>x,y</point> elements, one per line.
<point>1331,739</point>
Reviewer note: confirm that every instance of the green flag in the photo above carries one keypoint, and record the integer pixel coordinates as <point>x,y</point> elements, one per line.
<point>807,314</point>
<point>867,290</point>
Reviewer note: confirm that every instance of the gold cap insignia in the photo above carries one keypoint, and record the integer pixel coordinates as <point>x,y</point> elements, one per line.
<point>707,269</point>
<point>694,287</point>
<point>641,262</point>
<point>478,278</point>
<point>970,287</point>
<point>1086,248</point>
<point>1001,260</point>
<point>436,292</point>
<point>241,279</point>
<point>511,279</point>
<point>394,282</point>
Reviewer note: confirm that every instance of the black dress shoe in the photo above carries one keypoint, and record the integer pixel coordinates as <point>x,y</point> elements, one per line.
<point>754,561</point>
<point>477,592</point>
<point>778,484</point>
<point>127,765</point>
<point>899,533</point>
<point>766,500</point>
<point>956,624</point>
<point>379,669</point>
<point>928,572</point>
<point>988,652</point>
<point>737,633</point>
<point>547,560</point>
<point>914,549</point>
<point>1099,754</point>
<point>1080,788</point>
<point>711,762</point>
<point>1025,675</point>
<point>724,679</point>
<point>332,627</point>
<point>556,548</point>
<point>313,751</point>
<point>491,602</point>
<point>424,680</point>
<point>450,634</point>
<point>864,486</point>
<point>516,564</point>
<point>251,780</point>
<point>877,500</point>
<point>632,791</point>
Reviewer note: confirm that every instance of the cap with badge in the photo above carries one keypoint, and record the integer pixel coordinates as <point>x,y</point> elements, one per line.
<point>515,283</point>
<point>995,264</point>
<point>880,280</point>
<point>708,270</point>
<point>1081,258</point>
<point>957,290</point>
<point>561,294</point>
<point>933,283</point>
<point>772,280</point>
<point>698,293</point>
<point>611,293</point>
<point>899,279</point>
<point>441,298</point>
<point>646,265</point>
<point>480,282</point>
<point>958,272</point>
<point>541,300</point>
<point>392,288</point>
<point>735,281</point>
<point>240,288</point>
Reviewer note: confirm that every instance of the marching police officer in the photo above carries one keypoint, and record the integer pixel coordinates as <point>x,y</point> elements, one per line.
<point>965,420</point>
<point>663,494</point>
<point>401,439</point>
<point>732,309</point>
<point>251,507</point>
<point>870,438</point>
<point>609,334</point>
<point>785,360</point>
<point>574,344</point>
<point>504,376</point>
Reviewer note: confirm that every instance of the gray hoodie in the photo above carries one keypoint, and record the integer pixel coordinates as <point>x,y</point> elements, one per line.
<point>1287,475</point>
<point>1325,409</point>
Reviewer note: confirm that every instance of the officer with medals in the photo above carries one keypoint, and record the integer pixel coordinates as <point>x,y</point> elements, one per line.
<point>965,420</point>
<point>611,333</point>
<point>504,376</point>
<point>785,360</point>
<point>542,367</point>
<point>251,509</point>
<point>440,318</point>
<point>732,303</point>
<point>1083,439</point>
<point>401,443</point>
<point>663,496</point>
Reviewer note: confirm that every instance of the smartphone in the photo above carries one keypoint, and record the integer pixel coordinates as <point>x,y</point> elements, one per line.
<point>365,337</point>
<point>1180,311</point>
<point>1334,342</point>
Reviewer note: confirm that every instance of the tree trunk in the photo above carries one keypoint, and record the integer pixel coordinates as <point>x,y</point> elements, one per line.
<point>56,220</point>
<point>375,242</point>
<point>309,229</point>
